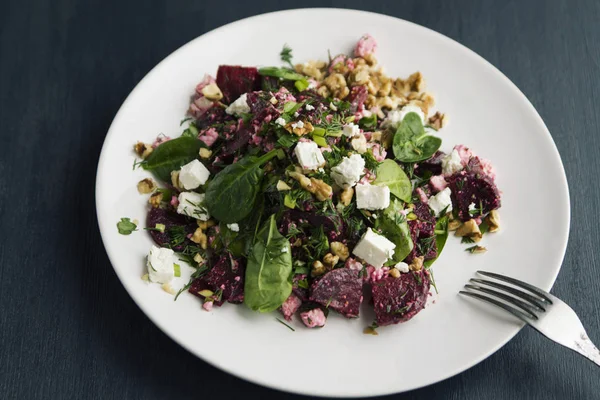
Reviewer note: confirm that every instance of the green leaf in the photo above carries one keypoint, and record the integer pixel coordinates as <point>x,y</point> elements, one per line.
<point>394,227</point>
<point>368,123</point>
<point>125,226</point>
<point>411,143</point>
<point>390,174</point>
<point>301,84</point>
<point>269,268</point>
<point>172,155</point>
<point>283,73</point>
<point>441,236</point>
<point>231,195</point>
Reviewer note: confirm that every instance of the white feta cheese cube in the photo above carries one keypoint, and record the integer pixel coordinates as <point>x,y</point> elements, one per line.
<point>193,174</point>
<point>347,173</point>
<point>372,197</point>
<point>451,163</point>
<point>192,205</point>
<point>359,144</point>
<point>298,124</point>
<point>440,201</point>
<point>309,156</point>
<point>374,249</point>
<point>160,265</point>
<point>280,121</point>
<point>233,227</point>
<point>402,267</point>
<point>309,107</point>
<point>350,130</point>
<point>239,106</point>
<point>394,117</point>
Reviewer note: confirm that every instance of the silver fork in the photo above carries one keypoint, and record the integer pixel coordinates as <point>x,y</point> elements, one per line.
<point>546,313</point>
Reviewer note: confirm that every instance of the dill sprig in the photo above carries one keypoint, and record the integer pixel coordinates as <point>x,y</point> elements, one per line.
<point>286,55</point>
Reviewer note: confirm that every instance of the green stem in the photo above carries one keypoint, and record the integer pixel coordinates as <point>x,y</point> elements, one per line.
<point>267,157</point>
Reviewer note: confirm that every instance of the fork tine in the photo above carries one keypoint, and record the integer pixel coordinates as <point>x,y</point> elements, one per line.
<point>521,284</point>
<point>509,299</point>
<point>522,316</point>
<point>525,296</point>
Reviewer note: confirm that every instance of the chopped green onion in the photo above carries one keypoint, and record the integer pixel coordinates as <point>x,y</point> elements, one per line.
<point>289,202</point>
<point>280,154</point>
<point>160,228</point>
<point>350,118</point>
<point>289,106</point>
<point>301,85</point>
<point>320,140</point>
<point>334,133</point>
<point>319,131</point>
<point>206,293</point>
<point>177,270</point>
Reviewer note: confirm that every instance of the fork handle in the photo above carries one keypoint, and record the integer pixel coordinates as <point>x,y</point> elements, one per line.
<point>584,346</point>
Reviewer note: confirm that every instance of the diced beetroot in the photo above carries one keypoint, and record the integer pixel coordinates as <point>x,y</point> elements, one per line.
<point>302,293</point>
<point>340,290</point>
<point>169,219</point>
<point>357,98</point>
<point>432,165</point>
<point>290,306</point>
<point>240,140</point>
<point>422,232</point>
<point>214,115</point>
<point>261,107</point>
<point>399,299</point>
<point>471,187</point>
<point>234,80</point>
<point>226,276</point>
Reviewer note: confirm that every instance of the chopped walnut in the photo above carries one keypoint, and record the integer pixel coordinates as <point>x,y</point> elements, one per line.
<point>337,85</point>
<point>322,191</point>
<point>146,186</point>
<point>314,69</point>
<point>394,273</point>
<point>493,221</point>
<point>340,249</point>
<point>142,149</point>
<point>299,129</point>
<point>168,288</point>
<point>454,224</point>
<point>303,180</point>
<point>469,229</point>
<point>385,89</point>
<point>282,186</point>
<point>330,260</point>
<point>175,179</point>
<point>204,225</point>
<point>200,238</point>
<point>212,92</point>
<point>416,264</point>
<point>477,249</point>
<point>346,196</point>
<point>376,136</point>
<point>205,153</point>
<point>359,76</point>
<point>370,59</point>
<point>317,269</point>
<point>416,82</point>
<point>323,91</point>
<point>198,258</point>
<point>155,199</point>
<point>438,120</point>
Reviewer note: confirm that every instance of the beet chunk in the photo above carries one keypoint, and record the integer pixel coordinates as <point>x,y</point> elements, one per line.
<point>214,115</point>
<point>432,165</point>
<point>261,107</point>
<point>399,299</point>
<point>422,232</point>
<point>472,187</point>
<point>227,276</point>
<point>170,220</point>
<point>340,290</point>
<point>234,80</point>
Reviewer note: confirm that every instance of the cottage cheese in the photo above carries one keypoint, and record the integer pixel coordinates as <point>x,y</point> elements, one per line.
<point>193,174</point>
<point>347,173</point>
<point>350,130</point>
<point>160,265</point>
<point>239,106</point>
<point>374,249</point>
<point>371,197</point>
<point>233,227</point>
<point>191,204</point>
<point>309,156</point>
<point>440,201</point>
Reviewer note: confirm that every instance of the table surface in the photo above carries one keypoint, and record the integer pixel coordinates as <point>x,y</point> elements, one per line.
<point>67,327</point>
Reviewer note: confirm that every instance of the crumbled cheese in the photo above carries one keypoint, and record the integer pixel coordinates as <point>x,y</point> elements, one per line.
<point>193,174</point>
<point>359,144</point>
<point>191,204</point>
<point>394,117</point>
<point>374,249</point>
<point>280,121</point>
<point>309,107</point>
<point>440,201</point>
<point>298,124</point>
<point>238,107</point>
<point>233,227</point>
<point>402,267</point>
<point>296,114</point>
<point>309,156</point>
<point>372,197</point>
<point>472,207</point>
<point>347,173</point>
<point>350,130</point>
<point>160,265</point>
<point>451,163</point>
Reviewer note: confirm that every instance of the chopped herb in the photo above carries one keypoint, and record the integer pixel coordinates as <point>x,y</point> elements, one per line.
<point>303,284</point>
<point>368,123</point>
<point>286,55</point>
<point>467,240</point>
<point>137,163</point>
<point>125,226</point>
<point>401,310</point>
<point>283,323</point>
<point>177,235</point>
<point>476,249</point>
<point>370,162</point>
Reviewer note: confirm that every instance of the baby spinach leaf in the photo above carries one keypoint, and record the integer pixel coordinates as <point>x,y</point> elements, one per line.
<point>231,195</point>
<point>394,226</point>
<point>172,155</point>
<point>411,142</point>
<point>368,123</point>
<point>269,268</point>
<point>441,235</point>
<point>390,174</point>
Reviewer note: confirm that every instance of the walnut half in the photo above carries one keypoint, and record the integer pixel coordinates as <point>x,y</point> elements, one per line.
<point>469,229</point>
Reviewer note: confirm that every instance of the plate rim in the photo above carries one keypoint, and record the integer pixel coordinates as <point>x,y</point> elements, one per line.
<point>274,385</point>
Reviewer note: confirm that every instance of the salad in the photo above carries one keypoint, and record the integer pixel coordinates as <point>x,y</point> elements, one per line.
<point>306,188</point>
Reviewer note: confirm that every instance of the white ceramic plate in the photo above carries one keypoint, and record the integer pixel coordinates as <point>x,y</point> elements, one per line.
<point>487,112</point>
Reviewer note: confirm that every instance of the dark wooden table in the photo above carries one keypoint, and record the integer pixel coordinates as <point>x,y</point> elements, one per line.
<point>67,327</point>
